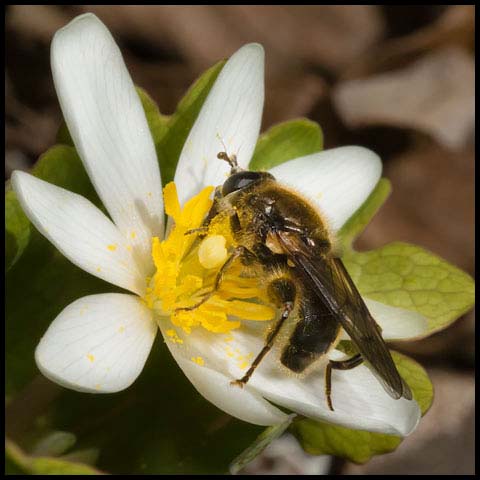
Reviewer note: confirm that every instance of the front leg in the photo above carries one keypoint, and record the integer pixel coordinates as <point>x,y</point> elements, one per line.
<point>239,252</point>
<point>215,208</point>
<point>338,365</point>
<point>283,293</point>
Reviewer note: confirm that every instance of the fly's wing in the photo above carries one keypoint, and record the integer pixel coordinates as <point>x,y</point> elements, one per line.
<point>335,287</point>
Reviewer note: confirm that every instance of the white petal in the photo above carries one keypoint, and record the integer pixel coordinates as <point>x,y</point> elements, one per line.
<point>240,403</point>
<point>359,400</point>
<point>98,344</point>
<point>106,120</point>
<point>79,230</point>
<point>231,114</point>
<point>215,386</point>
<point>338,181</point>
<point>397,323</point>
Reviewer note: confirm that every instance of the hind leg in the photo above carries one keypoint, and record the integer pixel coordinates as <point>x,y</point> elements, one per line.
<point>283,291</point>
<point>343,365</point>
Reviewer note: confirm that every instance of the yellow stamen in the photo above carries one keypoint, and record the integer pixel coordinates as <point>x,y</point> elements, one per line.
<point>187,267</point>
<point>172,205</point>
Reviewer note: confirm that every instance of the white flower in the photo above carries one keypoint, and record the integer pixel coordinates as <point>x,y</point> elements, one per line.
<point>100,343</point>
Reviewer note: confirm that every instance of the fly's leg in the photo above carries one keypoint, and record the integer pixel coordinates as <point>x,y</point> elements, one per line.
<point>343,365</point>
<point>202,231</point>
<point>215,208</point>
<point>282,291</point>
<point>239,252</point>
<point>213,212</point>
<point>287,308</point>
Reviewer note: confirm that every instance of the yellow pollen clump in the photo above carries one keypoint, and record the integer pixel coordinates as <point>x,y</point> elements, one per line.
<point>198,360</point>
<point>212,252</point>
<point>187,266</point>
<point>172,334</point>
<point>90,357</point>
<point>112,247</point>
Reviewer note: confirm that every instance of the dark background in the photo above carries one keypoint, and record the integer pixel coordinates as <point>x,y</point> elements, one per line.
<point>396,79</point>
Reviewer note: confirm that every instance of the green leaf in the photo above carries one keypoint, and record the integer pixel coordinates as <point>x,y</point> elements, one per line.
<point>286,141</point>
<point>319,438</point>
<point>17,228</point>
<point>361,218</point>
<point>18,462</point>
<point>260,443</point>
<point>410,277</point>
<point>358,446</point>
<point>417,379</point>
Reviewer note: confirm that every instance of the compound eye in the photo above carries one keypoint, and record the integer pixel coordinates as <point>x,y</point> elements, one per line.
<point>240,180</point>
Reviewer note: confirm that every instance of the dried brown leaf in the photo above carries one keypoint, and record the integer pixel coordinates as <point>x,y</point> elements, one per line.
<point>434,95</point>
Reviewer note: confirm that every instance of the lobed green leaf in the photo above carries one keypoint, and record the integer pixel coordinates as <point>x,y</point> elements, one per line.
<point>409,277</point>
<point>318,438</point>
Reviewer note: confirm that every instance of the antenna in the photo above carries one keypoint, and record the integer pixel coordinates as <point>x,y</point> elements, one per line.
<point>230,159</point>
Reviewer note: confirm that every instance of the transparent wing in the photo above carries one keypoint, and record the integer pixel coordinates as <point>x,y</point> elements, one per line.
<point>333,284</point>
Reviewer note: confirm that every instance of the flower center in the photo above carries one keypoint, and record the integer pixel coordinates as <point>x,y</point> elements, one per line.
<point>188,263</point>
